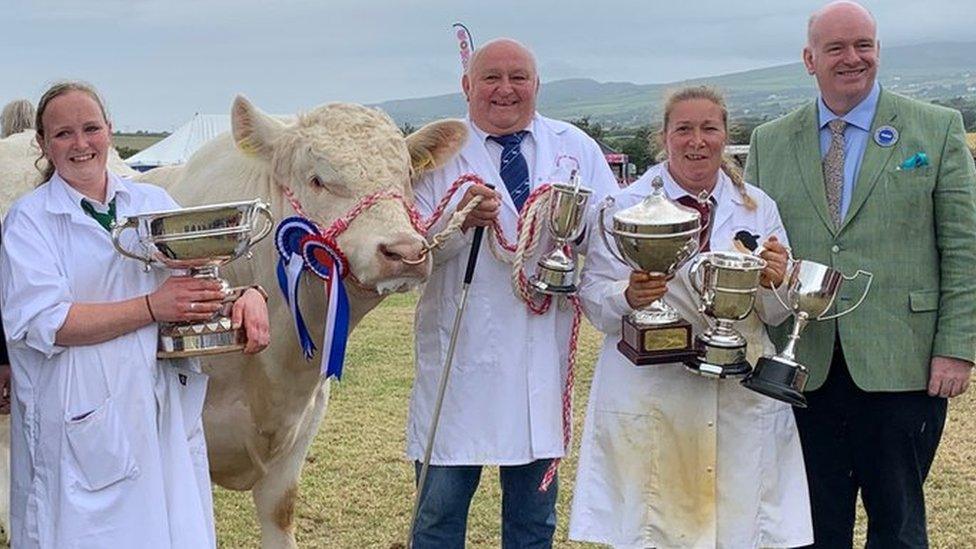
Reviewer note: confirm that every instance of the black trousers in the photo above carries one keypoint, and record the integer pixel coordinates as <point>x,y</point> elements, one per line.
<point>880,443</point>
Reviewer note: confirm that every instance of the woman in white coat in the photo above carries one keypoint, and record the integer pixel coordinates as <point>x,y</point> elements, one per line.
<point>669,458</point>
<point>107,446</point>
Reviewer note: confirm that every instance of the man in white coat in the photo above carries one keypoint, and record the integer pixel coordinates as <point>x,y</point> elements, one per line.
<point>503,403</point>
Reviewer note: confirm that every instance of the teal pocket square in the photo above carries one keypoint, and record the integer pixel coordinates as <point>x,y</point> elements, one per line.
<point>917,160</point>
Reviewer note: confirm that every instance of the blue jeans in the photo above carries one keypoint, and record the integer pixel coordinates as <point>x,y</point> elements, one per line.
<point>528,515</point>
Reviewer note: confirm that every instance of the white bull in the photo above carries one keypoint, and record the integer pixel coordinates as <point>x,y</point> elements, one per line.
<point>262,412</point>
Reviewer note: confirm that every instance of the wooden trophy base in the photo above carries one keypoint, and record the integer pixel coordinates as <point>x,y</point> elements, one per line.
<point>662,344</point>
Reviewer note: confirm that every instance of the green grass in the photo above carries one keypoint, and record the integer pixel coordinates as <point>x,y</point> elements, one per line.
<point>357,490</point>
<point>136,141</point>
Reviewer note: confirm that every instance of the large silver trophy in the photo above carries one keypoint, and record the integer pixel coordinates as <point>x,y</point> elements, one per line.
<point>811,289</point>
<point>198,241</point>
<point>556,271</point>
<point>656,235</point>
<point>726,283</point>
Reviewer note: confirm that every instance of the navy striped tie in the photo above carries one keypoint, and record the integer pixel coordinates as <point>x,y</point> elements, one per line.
<point>514,170</point>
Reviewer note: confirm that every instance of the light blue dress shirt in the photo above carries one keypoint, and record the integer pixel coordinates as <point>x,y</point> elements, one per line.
<point>856,138</point>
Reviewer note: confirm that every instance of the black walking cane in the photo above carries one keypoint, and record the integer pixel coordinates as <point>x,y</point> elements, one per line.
<point>445,374</point>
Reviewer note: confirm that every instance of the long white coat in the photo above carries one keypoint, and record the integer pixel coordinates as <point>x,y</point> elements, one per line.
<point>671,459</point>
<point>503,402</point>
<point>107,446</point>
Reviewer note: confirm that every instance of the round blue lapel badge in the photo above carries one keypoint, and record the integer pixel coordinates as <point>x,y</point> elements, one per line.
<point>886,136</point>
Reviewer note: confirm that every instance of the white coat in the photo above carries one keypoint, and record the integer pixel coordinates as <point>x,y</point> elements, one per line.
<point>672,459</point>
<point>503,402</point>
<point>107,446</point>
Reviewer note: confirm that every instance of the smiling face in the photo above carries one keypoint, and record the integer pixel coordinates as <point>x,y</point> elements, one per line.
<point>75,137</point>
<point>695,138</point>
<point>501,86</point>
<point>842,53</point>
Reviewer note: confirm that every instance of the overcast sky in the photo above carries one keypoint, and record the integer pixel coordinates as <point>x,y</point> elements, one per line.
<point>157,62</point>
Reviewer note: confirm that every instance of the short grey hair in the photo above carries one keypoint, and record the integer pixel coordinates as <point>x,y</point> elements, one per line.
<point>17,116</point>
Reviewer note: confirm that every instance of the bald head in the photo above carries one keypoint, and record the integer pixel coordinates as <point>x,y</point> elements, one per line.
<point>501,85</point>
<point>508,45</point>
<point>842,52</point>
<point>843,9</point>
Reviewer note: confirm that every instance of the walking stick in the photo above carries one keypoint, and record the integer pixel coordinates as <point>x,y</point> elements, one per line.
<point>445,374</point>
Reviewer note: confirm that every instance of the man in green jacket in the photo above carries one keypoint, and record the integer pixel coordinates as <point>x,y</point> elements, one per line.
<point>866,179</point>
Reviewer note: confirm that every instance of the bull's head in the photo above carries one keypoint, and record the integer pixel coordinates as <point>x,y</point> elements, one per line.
<point>336,154</point>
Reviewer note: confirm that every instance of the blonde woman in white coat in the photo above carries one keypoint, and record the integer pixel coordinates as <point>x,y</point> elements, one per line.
<point>107,445</point>
<point>671,459</point>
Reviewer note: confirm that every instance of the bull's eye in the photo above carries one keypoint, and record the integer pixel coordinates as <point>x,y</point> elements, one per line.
<point>316,182</point>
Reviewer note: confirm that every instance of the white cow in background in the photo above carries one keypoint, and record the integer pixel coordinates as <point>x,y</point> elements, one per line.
<point>263,411</point>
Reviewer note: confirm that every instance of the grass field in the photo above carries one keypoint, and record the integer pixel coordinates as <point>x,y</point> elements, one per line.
<point>136,141</point>
<point>357,490</point>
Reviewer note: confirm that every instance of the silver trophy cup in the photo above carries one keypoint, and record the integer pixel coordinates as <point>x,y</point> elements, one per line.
<point>811,289</point>
<point>656,235</point>
<point>556,271</point>
<point>726,284</point>
<point>198,241</point>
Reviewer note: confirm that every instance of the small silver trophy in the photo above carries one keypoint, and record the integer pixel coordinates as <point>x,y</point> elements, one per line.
<point>556,271</point>
<point>726,283</point>
<point>198,240</point>
<point>811,291</point>
<point>655,235</point>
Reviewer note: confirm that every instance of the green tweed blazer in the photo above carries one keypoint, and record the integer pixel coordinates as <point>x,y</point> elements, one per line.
<point>914,229</point>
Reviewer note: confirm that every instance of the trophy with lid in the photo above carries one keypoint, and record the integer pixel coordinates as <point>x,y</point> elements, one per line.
<point>197,241</point>
<point>556,271</point>
<point>655,235</point>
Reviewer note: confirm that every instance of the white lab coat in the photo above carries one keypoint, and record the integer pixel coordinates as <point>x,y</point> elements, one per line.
<point>107,445</point>
<point>672,459</point>
<point>503,402</point>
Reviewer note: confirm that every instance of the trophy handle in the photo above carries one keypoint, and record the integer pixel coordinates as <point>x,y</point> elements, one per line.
<point>607,202</point>
<point>263,209</point>
<point>867,288</point>
<point>117,229</point>
<point>790,262</point>
<point>694,275</point>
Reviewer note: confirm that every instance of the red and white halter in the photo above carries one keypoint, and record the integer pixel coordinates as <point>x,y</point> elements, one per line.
<point>527,237</point>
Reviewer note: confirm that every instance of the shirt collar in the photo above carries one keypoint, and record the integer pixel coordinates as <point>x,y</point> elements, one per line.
<point>483,135</point>
<point>675,191</point>
<point>115,187</point>
<point>861,115</point>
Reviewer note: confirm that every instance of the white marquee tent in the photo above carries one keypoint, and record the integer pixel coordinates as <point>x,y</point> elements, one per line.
<point>182,143</point>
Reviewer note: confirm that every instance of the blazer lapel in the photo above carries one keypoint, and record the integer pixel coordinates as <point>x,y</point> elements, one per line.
<point>806,150</point>
<point>875,158</point>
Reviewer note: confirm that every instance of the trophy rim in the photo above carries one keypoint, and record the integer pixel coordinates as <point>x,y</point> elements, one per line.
<point>160,214</point>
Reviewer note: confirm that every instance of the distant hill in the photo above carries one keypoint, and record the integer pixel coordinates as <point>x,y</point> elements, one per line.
<point>926,71</point>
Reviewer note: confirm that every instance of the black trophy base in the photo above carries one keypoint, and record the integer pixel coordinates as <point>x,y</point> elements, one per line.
<point>780,379</point>
<point>658,344</point>
<point>719,361</point>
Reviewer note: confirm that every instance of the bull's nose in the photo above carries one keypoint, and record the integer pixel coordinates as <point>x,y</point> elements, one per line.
<point>404,247</point>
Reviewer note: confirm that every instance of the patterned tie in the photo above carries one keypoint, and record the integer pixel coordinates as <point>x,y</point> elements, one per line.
<point>833,168</point>
<point>705,209</point>
<point>514,170</point>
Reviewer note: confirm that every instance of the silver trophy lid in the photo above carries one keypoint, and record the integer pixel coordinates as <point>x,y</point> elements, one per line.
<point>657,215</point>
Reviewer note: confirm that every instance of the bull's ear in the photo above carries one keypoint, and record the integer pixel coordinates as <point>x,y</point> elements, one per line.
<point>436,143</point>
<point>254,131</point>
